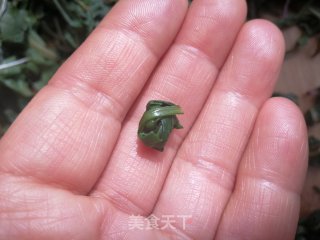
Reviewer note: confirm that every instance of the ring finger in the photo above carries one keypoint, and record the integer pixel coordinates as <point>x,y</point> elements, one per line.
<point>202,176</point>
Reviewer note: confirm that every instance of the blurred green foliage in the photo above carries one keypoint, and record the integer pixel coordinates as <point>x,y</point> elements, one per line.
<point>35,38</point>
<point>287,13</point>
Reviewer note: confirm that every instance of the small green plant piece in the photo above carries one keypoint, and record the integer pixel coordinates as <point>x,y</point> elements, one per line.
<point>157,122</point>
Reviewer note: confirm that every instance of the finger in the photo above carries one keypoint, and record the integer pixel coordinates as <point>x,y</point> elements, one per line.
<point>135,174</point>
<point>270,177</point>
<point>201,179</point>
<point>66,134</point>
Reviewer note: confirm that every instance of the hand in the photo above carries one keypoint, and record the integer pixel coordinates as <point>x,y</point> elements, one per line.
<point>72,166</point>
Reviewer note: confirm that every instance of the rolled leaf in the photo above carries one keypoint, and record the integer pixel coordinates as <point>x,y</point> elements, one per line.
<point>157,122</point>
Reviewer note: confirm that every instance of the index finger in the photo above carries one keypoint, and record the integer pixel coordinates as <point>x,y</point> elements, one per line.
<point>71,126</point>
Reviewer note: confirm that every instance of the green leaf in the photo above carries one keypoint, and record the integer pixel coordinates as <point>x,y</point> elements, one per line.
<point>72,22</point>
<point>39,51</point>
<point>18,85</point>
<point>13,25</point>
<point>157,122</point>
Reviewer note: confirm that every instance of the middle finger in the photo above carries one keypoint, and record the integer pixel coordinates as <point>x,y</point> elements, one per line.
<point>135,174</point>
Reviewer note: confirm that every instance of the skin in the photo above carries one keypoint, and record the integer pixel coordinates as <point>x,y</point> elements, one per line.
<point>72,166</point>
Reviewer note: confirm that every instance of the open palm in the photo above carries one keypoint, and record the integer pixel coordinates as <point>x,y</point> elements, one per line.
<point>72,166</point>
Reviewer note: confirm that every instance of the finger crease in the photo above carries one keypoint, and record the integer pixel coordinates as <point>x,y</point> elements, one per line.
<point>134,36</point>
<point>198,53</point>
<point>92,98</point>
<point>121,202</point>
<point>214,170</point>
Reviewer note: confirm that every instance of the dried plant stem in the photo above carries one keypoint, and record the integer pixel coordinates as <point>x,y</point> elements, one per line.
<point>13,63</point>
